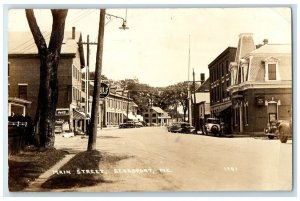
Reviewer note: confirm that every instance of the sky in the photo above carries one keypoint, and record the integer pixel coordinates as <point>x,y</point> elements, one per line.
<point>155,48</point>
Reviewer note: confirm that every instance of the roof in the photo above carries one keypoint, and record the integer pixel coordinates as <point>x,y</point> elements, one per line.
<point>23,43</point>
<point>226,51</point>
<point>273,49</point>
<point>204,87</point>
<point>158,110</point>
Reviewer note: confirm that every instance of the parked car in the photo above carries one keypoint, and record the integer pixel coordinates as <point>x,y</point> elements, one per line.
<point>138,124</point>
<point>127,125</point>
<point>279,128</point>
<point>212,126</point>
<point>174,128</point>
<point>181,127</point>
<point>187,128</point>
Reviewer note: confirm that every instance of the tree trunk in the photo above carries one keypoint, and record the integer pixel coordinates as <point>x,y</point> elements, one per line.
<point>97,85</point>
<point>49,59</point>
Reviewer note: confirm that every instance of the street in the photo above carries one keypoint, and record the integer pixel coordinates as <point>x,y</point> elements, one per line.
<point>156,160</point>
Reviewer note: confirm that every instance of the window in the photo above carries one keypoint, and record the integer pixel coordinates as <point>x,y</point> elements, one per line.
<point>272,71</point>
<point>146,115</point>
<point>154,115</point>
<point>8,68</point>
<point>23,91</point>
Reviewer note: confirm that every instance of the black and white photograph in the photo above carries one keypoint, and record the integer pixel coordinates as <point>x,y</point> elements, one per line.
<point>128,99</point>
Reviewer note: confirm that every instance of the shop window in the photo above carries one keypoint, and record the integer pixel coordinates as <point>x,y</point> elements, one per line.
<point>272,111</point>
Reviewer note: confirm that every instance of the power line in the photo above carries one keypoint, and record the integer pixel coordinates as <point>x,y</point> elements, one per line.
<point>71,22</point>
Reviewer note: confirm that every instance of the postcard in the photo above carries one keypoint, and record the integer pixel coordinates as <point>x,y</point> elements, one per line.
<point>150,99</point>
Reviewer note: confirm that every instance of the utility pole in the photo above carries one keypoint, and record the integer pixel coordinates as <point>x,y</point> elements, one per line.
<point>87,79</point>
<point>194,91</point>
<point>127,109</point>
<point>189,89</point>
<point>97,85</point>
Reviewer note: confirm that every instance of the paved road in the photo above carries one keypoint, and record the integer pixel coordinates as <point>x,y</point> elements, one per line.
<point>161,161</point>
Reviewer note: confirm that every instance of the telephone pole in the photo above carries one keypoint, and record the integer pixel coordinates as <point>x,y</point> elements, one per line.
<point>189,88</point>
<point>194,105</point>
<point>97,85</point>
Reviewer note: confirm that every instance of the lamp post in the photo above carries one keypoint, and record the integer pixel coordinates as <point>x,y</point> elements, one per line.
<point>97,83</point>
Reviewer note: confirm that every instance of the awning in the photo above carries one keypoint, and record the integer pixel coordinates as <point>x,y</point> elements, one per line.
<point>222,108</point>
<point>164,116</point>
<point>78,115</point>
<point>130,116</point>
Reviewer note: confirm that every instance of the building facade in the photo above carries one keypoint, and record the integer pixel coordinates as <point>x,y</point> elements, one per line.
<point>261,85</point>
<point>156,116</point>
<point>220,80</point>
<point>118,108</point>
<point>24,74</point>
<point>202,106</point>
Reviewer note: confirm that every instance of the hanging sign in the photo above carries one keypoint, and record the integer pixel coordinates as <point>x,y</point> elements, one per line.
<point>104,90</point>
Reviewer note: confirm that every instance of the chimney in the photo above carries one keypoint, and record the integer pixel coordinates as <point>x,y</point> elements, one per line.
<point>73,32</point>
<point>202,78</point>
<point>265,41</point>
<point>245,45</point>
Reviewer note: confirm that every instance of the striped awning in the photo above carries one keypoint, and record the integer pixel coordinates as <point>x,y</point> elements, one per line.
<point>78,115</point>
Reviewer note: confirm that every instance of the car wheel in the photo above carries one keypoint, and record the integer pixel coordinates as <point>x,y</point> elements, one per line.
<point>215,130</point>
<point>270,137</point>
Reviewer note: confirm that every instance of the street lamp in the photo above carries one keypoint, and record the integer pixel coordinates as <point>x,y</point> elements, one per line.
<point>124,24</point>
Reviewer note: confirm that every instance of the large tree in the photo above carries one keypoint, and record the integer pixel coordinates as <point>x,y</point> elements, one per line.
<point>49,60</point>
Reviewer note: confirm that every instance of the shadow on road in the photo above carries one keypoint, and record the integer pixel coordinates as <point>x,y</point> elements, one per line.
<point>84,169</point>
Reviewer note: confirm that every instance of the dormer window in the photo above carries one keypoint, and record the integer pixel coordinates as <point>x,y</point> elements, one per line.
<point>271,69</point>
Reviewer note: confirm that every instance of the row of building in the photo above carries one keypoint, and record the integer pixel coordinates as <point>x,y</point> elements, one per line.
<point>74,104</point>
<point>248,86</point>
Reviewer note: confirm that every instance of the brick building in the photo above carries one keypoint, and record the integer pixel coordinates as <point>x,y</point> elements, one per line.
<point>220,80</point>
<point>24,71</point>
<point>261,85</point>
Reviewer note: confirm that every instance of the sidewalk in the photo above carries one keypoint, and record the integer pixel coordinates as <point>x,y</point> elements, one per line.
<point>35,186</point>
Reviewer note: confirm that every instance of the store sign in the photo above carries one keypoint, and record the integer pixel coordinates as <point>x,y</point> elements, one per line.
<point>260,101</point>
<point>104,90</point>
<point>62,112</point>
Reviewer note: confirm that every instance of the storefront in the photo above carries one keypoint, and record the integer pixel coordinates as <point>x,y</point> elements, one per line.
<point>62,120</point>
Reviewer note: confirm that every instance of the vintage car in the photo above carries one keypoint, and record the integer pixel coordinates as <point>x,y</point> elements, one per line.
<point>212,126</point>
<point>127,125</point>
<point>281,129</point>
<point>181,127</point>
